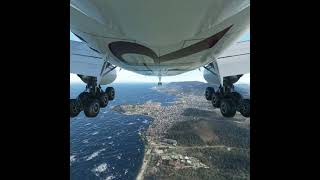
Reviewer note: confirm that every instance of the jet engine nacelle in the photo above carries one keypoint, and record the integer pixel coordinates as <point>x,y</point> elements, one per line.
<point>106,79</point>
<point>109,77</point>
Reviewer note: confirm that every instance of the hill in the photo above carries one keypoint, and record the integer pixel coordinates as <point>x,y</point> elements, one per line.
<point>198,88</point>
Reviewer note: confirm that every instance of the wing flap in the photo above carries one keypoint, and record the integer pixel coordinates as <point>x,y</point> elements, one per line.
<point>84,60</point>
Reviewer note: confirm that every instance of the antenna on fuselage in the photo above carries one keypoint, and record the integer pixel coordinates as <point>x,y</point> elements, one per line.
<point>159,83</point>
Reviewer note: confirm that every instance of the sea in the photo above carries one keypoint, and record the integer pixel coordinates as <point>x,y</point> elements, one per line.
<point>109,146</point>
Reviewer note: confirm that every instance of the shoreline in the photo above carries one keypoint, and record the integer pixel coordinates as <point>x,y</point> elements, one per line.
<point>147,147</point>
<point>144,136</point>
<point>146,153</point>
<point>143,167</point>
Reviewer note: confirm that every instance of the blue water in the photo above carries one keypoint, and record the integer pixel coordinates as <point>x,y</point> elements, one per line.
<point>109,146</point>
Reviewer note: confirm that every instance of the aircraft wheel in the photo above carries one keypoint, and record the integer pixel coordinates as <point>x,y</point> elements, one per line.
<point>227,108</point>
<point>111,93</point>
<point>208,93</point>
<point>103,99</point>
<point>83,98</point>
<point>215,100</point>
<point>245,108</point>
<point>92,107</point>
<point>74,108</point>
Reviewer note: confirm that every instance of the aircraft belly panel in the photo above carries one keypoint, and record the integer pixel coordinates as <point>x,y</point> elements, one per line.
<point>171,39</point>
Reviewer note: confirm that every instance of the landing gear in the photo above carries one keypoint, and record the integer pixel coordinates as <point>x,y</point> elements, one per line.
<point>224,96</point>
<point>228,107</point>
<point>74,108</point>
<point>228,100</point>
<point>159,83</point>
<point>215,99</point>
<point>111,93</point>
<point>92,99</point>
<point>103,99</point>
<point>245,108</point>
<point>208,93</point>
<point>91,108</point>
<point>82,99</point>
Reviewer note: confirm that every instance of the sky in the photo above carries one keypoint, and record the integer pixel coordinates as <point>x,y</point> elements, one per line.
<point>124,76</point>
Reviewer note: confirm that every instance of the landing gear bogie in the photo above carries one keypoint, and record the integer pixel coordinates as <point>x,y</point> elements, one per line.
<point>91,100</point>
<point>229,102</point>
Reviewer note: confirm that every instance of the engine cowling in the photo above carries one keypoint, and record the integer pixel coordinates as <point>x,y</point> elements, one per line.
<point>109,77</point>
<point>106,79</point>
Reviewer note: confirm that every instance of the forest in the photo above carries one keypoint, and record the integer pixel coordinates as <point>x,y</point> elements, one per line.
<point>228,133</point>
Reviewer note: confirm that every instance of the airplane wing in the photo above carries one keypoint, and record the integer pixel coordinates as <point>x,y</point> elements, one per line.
<point>87,62</point>
<point>235,60</point>
<point>83,60</point>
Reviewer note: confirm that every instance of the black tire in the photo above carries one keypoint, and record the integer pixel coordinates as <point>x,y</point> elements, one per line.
<point>92,108</point>
<point>215,100</point>
<point>208,93</point>
<point>111,93</point>
<point>228,108</point>
<point>245,108</point>
<point>74,108</point>
<point>83,98</point>
<point>103,99</point>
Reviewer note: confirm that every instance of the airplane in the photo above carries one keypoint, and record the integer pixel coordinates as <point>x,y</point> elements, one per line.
<point>159,38</point>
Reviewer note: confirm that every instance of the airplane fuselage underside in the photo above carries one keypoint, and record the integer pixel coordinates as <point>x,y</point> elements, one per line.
<point>159,38</point>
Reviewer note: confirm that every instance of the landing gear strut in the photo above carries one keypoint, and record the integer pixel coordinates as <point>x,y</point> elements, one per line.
<point>92,99</point>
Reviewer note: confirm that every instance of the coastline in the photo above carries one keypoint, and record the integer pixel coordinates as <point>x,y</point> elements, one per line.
<point>147,138</point>
<point>146,154</point>
<point>143,167</point>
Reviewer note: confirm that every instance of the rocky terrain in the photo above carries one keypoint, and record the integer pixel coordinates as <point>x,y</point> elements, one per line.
<point>190,139</point>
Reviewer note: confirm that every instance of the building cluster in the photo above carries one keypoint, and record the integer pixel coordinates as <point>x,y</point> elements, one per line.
<point>178,161</point>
